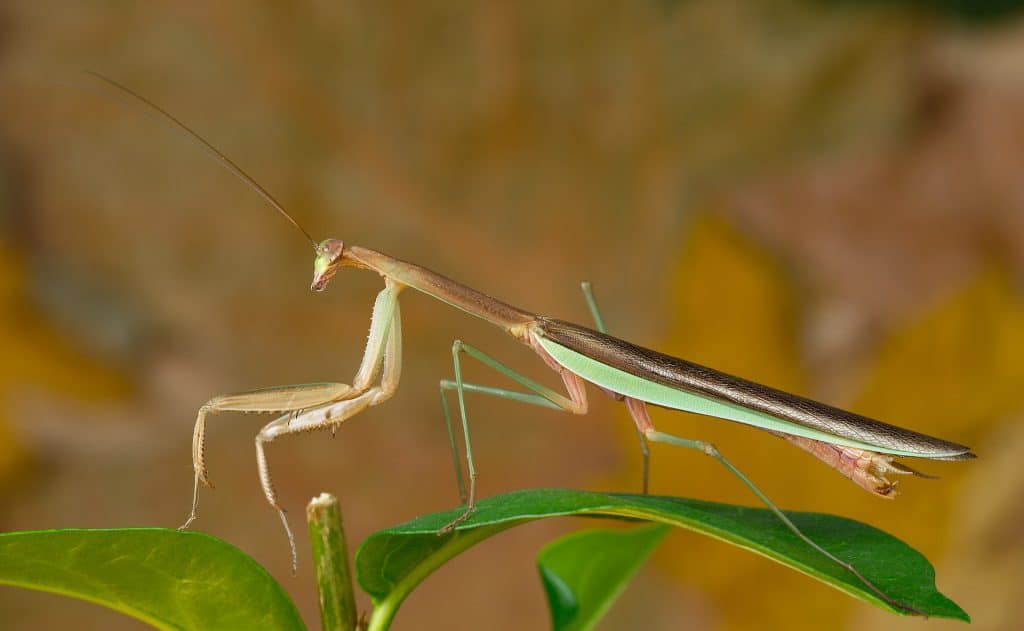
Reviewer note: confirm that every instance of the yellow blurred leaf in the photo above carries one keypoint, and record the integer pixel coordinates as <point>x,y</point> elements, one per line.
<point>960,363</point>
<point>952,372</point>
<point>36,356</point>
<point>734,309</point>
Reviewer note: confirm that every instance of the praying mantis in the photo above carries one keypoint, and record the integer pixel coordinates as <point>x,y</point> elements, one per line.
<point>858,447</point>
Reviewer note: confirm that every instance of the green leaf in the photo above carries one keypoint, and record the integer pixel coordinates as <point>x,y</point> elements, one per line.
<point>584,572</point>
<point>170,579</point>
<point>390,563</point>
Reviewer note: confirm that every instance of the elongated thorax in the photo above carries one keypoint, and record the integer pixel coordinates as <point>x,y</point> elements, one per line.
<point>513,319</point>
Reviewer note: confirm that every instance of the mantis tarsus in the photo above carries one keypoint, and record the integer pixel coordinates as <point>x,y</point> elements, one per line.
<point>860,448</point>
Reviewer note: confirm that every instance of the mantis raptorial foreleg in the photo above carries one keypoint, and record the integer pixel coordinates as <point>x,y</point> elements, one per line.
<point>575,403</point>
<point>266,400</point>
<point>312,406</point>
<point>332,415</point>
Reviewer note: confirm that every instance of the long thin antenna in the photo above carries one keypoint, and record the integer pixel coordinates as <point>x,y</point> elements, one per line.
<point>212,151</point>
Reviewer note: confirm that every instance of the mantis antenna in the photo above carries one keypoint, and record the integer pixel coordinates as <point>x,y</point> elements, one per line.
<point>212,151</point>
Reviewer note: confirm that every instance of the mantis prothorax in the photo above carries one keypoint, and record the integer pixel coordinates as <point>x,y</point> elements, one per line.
<point>860,448</point>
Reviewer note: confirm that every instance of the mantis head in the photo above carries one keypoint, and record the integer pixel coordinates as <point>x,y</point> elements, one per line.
<point>329,257</point>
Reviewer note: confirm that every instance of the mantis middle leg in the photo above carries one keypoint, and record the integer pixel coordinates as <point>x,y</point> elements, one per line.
<point>575,403</point>
<point>541,396</point>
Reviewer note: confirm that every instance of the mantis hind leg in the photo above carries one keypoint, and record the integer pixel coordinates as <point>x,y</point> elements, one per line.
<point>539,394</point>
<point>595,312</point>
<point>638,411</point>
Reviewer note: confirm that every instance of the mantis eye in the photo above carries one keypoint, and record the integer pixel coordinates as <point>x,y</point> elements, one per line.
<point>330,249</point>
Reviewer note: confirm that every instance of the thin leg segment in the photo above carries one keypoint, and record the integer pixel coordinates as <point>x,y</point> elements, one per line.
<point>575,403</point>
<point>501,393</point>
<point>588,294</point>
<point>638,411</point>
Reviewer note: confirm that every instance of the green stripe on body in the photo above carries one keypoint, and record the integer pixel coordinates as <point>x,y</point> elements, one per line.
<point>635,387</point>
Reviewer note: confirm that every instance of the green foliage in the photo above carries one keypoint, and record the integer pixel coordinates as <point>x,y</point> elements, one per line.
<point>584,572</point>
<point>170,579</point>
<point>185,580</point>
<point>390,563</point>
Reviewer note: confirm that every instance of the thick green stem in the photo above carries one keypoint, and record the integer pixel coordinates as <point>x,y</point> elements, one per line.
<point>330,558</point>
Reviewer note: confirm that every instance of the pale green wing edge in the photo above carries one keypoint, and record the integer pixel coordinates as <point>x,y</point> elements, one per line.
<point>636,387</point>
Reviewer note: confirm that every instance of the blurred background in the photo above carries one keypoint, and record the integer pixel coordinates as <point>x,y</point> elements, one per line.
<point>821,196</point>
